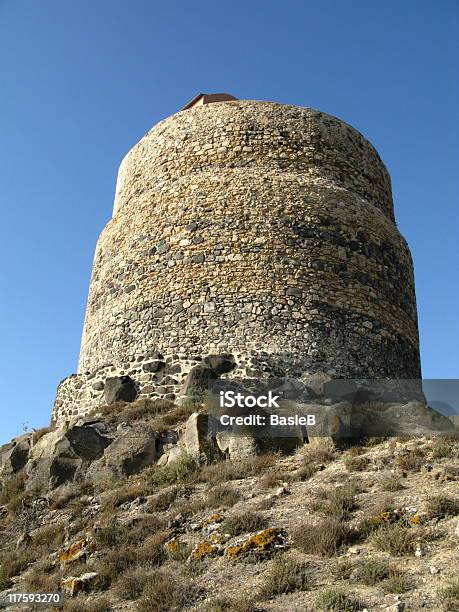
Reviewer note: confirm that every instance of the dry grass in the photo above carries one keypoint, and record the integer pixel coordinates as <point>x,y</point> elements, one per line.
<point>115,534</point>
<point>71,491</point>
<point>165,592</point>
<point>305,472</point>
<point>371,572</point>
<point>412,461</point>
<point>82,604</point>
<point>441,449</point>
<point>135,411</point>
<point>285,575</point>
<point>337,503</point>
<point>244,522</point>
<point>271,479</point>
<point>396,582</point>
<point>131,584</point>
<point>222,495</point>
<point>183,470</point>
<point>337,601</point>
<point>319,452</point>
<point>223,471</point>
<point>162,501</point>
<point>449,595</point>
<point>356,464</point>
<point>51,536</point>
<point>325,538</point>
<point>39,433</point>
<point>391,483</point>
<point>13,563</point>
<point>442,506</point>
<point>396,539</point>
<point>229,604</point>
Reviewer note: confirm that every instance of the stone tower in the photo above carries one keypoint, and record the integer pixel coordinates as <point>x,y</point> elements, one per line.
<point>253,228</point>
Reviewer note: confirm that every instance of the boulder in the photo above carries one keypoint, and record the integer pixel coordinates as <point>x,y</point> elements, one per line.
<point>154,366</point>
<point>220,364</point>
<point>237,446</point>
<point>87,442</point>
<point>59,455</point>
<point>132,451</point>
<point>74,585</point>
<point>15,455</point>
<point>196,439</point>
<point>119,389</point>
<point>197,382</point>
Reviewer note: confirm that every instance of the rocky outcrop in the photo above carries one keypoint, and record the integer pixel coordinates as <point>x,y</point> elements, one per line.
<point>119,389</point>
<point>132,451</point>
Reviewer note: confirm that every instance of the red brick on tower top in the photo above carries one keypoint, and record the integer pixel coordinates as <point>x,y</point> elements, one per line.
<point>203,98</point>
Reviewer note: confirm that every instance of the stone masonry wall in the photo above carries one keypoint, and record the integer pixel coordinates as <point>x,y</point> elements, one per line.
<point>252,228</point>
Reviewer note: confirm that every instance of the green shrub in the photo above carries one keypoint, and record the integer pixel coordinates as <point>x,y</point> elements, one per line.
<point>371,572</point>
<point>180,471</point>
<point>337,601</point>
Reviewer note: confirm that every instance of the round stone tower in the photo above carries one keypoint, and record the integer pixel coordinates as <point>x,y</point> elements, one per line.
<point>258,229</point>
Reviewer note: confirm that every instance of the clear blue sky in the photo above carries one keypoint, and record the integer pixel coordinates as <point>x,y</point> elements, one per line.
<point>82,81</point>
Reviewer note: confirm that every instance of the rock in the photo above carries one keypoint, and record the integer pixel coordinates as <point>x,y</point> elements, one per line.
<point>15,455</point>
<point>196,439</point>
<point>316,381</point>
<point>76,552</point>
<point>52,462</point>
<point>434,570</point>
<point>24,540</point>
<point>237,446</point>
<point>98,386</point>
<point>220,364</point>
<point>132,451</point>
<point>204,550</point>
<point>261,544</point>
<point>119,389</point>
<point>173,454</point>
<point>197,382</point>
<point>153,366</point>
<point>87,442</point>
<point>74,585</point>
<point>457,529</point>
<point>353,550</point>
<point>58,455</point>
<point>282,490</point>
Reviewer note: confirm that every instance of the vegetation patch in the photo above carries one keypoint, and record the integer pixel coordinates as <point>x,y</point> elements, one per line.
<point>244,522</point>
<point>325,538</point>
<point>285,575</point>
<point>449,595</point>
<point>222,495</point>
<point>442,506</point>
<point>337,601</point>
